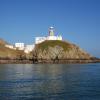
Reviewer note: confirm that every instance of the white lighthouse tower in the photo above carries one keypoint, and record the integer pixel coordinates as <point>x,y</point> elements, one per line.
<point>51,31</point>
<point>52,35</point>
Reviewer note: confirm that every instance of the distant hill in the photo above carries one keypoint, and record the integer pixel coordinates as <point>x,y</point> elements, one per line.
<point>7,52</point>
<point>55,49</point>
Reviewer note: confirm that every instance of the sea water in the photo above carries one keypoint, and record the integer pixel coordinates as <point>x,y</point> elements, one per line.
<point>50,81</point>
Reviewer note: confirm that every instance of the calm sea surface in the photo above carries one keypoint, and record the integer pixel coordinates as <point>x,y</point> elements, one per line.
<point>50,82</point>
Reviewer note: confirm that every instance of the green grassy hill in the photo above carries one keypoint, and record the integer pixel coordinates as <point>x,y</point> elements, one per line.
<point>52,43</point>
<point>6,52</point>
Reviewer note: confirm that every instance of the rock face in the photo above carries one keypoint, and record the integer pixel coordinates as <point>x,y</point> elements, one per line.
<point>59,50</point>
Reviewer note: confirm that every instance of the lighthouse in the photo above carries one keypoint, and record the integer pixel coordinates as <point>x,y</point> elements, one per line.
<point>51,31</point>
<point>51,36</point>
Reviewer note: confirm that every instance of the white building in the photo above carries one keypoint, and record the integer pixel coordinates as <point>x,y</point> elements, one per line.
<point>19,46</point>
<point>50,37</point>
<point>39,39</point>
<point>28,48</point>
<point>10,46</point>
<point>54,38</point>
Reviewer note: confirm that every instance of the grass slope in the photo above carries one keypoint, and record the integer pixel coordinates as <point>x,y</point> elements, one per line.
<point>7,52</point>
<point>52,43</point>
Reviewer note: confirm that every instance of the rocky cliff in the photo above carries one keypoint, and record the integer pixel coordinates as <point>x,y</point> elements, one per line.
<point>59,50</point>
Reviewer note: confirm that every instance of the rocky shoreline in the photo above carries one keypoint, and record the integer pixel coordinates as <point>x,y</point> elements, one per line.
<point>44,61</point>
<point>51,51</point>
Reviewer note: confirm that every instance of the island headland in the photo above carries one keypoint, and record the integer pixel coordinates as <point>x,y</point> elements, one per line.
<point>49,49</point>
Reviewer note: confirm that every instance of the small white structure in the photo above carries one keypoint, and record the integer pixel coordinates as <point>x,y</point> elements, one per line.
<point>59,38</point>
<point>28,48</point>
<point>54,38</point>
<point>19,46</point>
<point>39,39</point>
<point>10,46</point>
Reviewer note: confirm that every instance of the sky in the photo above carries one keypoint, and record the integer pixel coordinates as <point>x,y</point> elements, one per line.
<point>78,21</point>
